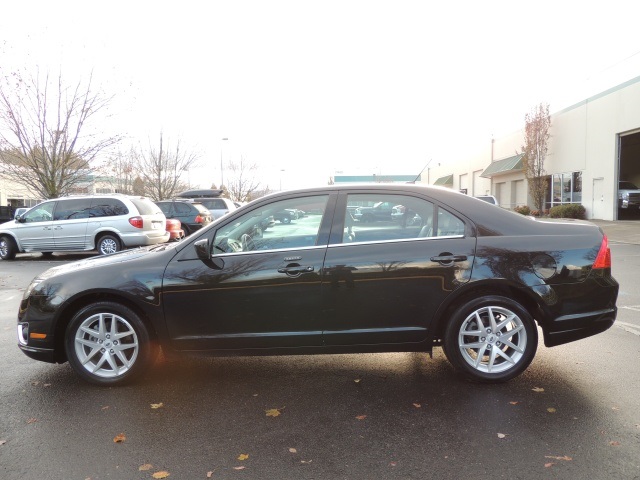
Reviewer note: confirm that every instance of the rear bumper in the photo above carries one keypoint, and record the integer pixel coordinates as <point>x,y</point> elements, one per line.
<point>569,328</point>
<point>144,239</point>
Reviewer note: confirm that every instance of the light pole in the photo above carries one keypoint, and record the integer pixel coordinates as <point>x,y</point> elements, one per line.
<point>221,165</point>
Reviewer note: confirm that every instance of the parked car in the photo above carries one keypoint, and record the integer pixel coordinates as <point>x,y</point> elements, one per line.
<point>193,216</point>
<point>106,223</point>
<point>285,216</point>
<point>488,198</point>
<point>174,227</point>
<point>476,280</point>
<point>628,195</point>
<point>212,200</point>
<point>379,211</point>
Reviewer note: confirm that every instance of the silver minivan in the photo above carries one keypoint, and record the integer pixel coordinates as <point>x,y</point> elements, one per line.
<point>106,223</point>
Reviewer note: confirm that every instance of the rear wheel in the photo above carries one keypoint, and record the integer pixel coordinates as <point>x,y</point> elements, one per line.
<point>491,339</point>
<point>186,230</point>
<point>108,244</point>
<point>107,344</point>
<point>8,248</point>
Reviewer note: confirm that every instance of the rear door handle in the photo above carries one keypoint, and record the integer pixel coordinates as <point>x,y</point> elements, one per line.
<point>295,270</point>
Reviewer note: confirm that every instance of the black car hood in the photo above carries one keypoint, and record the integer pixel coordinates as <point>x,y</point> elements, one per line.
<point>120,257</point>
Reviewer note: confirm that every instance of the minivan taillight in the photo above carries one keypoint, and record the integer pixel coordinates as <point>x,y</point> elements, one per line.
<point>198,219</point>
<point>136,222</point>
<point>603,259</point>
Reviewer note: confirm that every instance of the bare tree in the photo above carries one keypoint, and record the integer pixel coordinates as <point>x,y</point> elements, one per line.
<point>243,182</point>
<point>536,137</point>
<point>119,171</point>
<point>47,142</point>
<point>161,167</point>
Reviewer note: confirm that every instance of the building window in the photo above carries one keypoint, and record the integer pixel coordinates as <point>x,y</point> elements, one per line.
<point>103,190</point>
<point>564,188</point>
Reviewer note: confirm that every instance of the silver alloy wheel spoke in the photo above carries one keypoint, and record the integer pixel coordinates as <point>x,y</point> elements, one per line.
<point>99,346</point>
<point>492,339</point>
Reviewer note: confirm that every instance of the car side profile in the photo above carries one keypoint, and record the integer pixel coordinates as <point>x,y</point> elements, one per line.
<point>477,281</point>
<point>106,223</point>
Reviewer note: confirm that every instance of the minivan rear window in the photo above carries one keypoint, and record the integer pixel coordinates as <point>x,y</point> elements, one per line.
<point>145,206</point>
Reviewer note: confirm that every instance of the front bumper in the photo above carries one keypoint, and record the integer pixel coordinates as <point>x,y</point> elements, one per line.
<point>42,354</point>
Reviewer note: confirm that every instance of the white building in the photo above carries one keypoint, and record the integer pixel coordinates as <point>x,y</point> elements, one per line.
<point>593,144</point>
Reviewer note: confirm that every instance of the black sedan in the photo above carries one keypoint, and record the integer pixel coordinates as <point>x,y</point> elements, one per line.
<point>472,278</point>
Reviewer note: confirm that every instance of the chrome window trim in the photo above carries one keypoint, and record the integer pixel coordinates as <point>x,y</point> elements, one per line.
<point>250,252</point>
<point>377,242</point>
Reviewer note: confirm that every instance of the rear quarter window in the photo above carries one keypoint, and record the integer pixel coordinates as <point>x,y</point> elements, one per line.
<point>108,207</point>
<point>145,206</point>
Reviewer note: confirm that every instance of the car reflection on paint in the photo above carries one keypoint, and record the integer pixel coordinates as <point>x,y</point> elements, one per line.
<point>462,275</point>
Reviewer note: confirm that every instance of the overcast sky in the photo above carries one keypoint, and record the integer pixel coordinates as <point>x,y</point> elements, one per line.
<point>303,89</point>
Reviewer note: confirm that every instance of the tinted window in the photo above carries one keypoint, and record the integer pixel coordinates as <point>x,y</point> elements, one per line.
<point>71,209</point>
<point>267,233</point>
<point>182,208</point>
<point>165,207</point>
<point>214,203</point>
<point>107,207</point>
<point>380,217</point>
<point>449,224</point>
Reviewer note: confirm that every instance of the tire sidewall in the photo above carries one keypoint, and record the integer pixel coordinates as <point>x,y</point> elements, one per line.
<point>145,347</point>
<point>12,247</point>
<point>452,350</point>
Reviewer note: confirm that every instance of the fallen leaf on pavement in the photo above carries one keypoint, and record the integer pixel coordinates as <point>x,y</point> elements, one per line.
<point>514,403</point>
<point>306,461</point>
<point>417,405</point>
<point>565,458</point>
<point>273,412</point>
<point>119,438</point>
<point>243,456</point>
<point>239,468</point>
<point>361,417</point>
<point>162,474</point>
<point>538,389</point>
<point>145,467</point>
<point>2,442</point>
<point>32,420</point>
<point>293,450</point>
<point>209,474</point>
<point>614,444</point>
<point>106,407</point>
<point>357,380</point>
<point>157,405</point>
<point>502,435</point>
<point>547,465</point>
<point>551,410</point>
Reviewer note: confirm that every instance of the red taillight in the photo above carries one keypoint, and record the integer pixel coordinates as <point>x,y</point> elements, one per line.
<point>198,219</point>
<point>136,222</point>
<point>603,260</point>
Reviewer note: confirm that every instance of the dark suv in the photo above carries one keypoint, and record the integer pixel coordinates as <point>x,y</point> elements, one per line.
<point>193,216</point>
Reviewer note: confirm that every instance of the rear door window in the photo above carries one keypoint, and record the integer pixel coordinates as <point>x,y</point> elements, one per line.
<point>108,207</point>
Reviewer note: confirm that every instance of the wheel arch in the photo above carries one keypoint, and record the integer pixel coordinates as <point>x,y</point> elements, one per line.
<point>523,296</point>
<point>75,305</point>
<point>101,233</point>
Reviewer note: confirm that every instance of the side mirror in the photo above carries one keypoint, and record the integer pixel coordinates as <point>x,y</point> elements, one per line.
<point>202,249</point>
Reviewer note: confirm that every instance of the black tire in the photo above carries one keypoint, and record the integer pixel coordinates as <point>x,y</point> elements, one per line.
<point>186,230</point>
<point>113,353</point>
<point>491,355</point>
<point>8,248</point>
<point>47,254</point>
<point>108,244</point>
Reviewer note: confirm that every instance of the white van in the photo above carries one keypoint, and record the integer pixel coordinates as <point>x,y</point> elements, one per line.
<point>106,223</point>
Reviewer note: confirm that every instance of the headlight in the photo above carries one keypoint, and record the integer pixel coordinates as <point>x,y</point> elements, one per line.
<point>34,283</point>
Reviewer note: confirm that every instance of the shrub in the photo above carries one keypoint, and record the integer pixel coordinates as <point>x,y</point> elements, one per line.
<point>570,210</point>
<point>523,210</point>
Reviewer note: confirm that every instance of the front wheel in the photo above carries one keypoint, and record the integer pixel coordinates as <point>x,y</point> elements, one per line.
<point>491,339</point>
<point>107,344</point>
<point>108,244</point>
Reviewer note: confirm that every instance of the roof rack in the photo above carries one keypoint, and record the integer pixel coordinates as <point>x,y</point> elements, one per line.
<point>204,193</point>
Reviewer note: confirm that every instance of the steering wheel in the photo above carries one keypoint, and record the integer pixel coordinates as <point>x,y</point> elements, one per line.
<point>247,242</point>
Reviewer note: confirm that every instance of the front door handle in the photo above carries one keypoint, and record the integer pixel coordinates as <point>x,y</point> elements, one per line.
<point>449,258</point>
<point>295,270</point>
